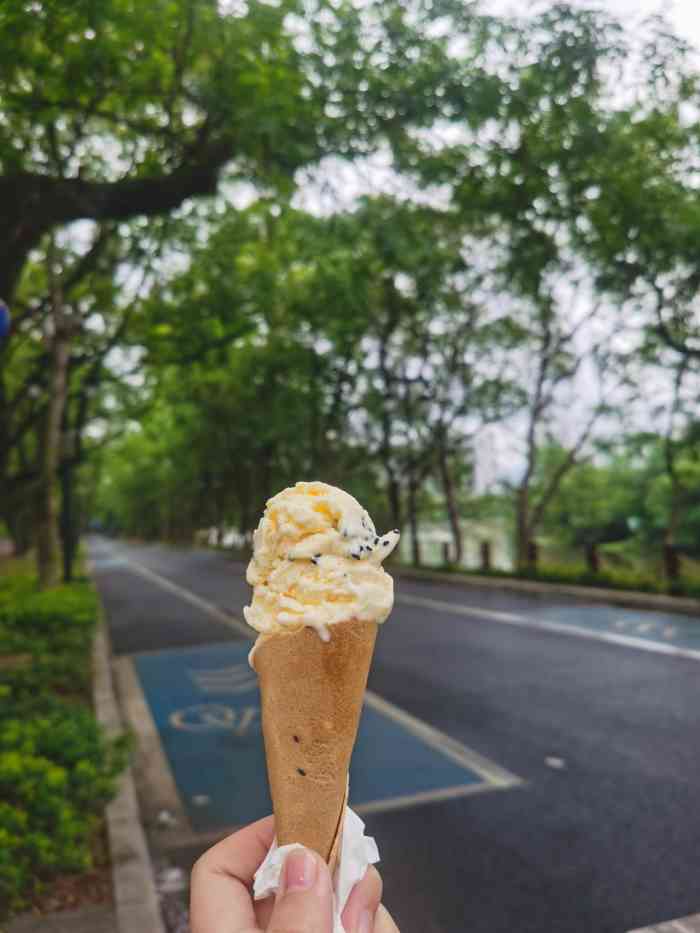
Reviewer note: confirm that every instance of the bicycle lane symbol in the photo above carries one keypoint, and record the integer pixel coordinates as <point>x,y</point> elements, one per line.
<point>216,717</point>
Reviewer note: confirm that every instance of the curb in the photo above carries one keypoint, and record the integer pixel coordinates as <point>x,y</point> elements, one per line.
<point>135,896</point>
<point>629,598</point>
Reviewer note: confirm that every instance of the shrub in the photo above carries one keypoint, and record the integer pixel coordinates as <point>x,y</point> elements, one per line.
<point>65,612</point>
<point>580,576</point>
<point>54,628</point>
<point>57,767</point>
<point>57,771</point>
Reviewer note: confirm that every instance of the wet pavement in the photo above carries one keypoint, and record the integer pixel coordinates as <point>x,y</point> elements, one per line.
<point>600,836</point>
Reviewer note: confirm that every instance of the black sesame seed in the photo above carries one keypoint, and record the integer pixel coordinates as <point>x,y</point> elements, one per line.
<point>296,739</point>
<point>356,556</point>
<point>385,543</point>
<point>376,540</point>
<point>316,556</point>
<point>301,772</point>
<point>396,531</point>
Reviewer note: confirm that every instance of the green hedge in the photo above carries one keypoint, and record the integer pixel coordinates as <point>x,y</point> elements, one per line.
<point>580,576</point>
<point>57,767</point>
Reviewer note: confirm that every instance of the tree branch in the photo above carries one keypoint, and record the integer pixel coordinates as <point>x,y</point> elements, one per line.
<point>563,468</point>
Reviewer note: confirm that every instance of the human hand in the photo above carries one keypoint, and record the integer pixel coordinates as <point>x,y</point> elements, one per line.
<point>221,900</point>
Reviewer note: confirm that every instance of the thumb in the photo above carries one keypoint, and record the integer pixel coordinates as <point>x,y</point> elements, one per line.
<point>304,901</point>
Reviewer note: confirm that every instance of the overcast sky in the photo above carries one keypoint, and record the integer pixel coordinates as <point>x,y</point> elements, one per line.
<point>684,14</point>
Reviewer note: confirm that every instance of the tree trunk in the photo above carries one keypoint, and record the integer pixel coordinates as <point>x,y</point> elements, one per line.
<point>533,554</point>
<point>47,535</point>
<point>314,417</point>
<point>522,528</point>
<point>69,520</point>
<point>593,558</point>
<point>243,487</point>
<point>33,204</point>
<point>485,552</point>
<point>452,509</point>
<point>672,562</point>
<point>19,520</point>
<point>393,490</point>
<point>264,474</point>
<point>413,522</point>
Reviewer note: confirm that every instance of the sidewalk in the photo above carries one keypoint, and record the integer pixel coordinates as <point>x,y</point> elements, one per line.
<point>631,599</point>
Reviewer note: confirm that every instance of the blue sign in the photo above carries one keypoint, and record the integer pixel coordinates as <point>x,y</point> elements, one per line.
<point>5,321</point>
<point>206,707</point>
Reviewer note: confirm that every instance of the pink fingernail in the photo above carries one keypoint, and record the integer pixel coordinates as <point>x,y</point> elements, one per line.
<point>300,870</point>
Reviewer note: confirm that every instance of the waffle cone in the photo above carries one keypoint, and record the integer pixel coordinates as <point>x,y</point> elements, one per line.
<point>312,695</point>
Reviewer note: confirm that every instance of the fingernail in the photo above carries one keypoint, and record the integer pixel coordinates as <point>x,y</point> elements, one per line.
<point>300,870</point>
<point>366,922</point>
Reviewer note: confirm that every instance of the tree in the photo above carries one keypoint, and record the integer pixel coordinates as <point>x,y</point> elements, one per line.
<point>69,320</point>
<point>429,359</point>
<point>559,177</point>
<point>595,503</point>
<point>555,363</point>
<point>119,109</point>
<point>338,347</point>
<point>58,338</point>
<point>115,110</point>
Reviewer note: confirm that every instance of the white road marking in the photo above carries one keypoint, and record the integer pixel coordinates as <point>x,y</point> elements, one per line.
<point>509,618</point>
<point>224,617</point>
<point>577,631</point>
<point>429,796</point>
<point>558,764</point>
<point>449,747</point>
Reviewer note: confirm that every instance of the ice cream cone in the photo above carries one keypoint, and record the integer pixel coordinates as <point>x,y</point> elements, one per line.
<point>312,692</point>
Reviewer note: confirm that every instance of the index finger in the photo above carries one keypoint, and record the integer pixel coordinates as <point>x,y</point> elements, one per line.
<point>220,899</point>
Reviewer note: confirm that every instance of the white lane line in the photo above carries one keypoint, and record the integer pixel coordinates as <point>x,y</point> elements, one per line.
<point>429,796</point>
<point>509,618</point>
<point>447,746</point>
<point>224,617</point>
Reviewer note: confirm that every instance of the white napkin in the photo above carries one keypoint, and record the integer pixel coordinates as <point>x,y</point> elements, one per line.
<point>357,852</point>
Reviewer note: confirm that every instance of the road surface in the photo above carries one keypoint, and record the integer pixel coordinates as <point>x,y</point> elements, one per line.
<point>600,832</point>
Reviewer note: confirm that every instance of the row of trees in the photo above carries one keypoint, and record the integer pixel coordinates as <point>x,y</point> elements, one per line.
<point>537,257</point>
<point>373,350</point>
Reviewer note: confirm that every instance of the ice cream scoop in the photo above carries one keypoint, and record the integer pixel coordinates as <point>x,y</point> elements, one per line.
<point>317,562</point>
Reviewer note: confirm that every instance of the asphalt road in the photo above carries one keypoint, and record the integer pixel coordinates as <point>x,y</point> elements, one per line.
<point>602,836</point>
